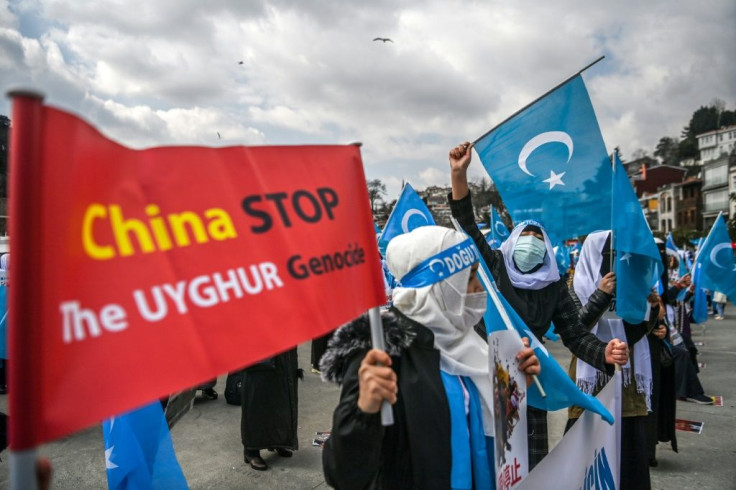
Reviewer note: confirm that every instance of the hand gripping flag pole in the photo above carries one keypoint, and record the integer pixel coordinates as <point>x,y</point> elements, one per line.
<point>488,284</point>
<point>374,315</point>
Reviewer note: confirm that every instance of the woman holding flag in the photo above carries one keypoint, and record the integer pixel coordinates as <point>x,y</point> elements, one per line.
<point>595,264</point>
<point>435,372</point>
<point>527,276</point>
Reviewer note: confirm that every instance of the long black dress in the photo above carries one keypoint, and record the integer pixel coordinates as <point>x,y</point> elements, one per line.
<point>270,404</point>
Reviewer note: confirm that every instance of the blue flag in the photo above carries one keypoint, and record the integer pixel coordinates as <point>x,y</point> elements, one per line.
<point>498,232</point>
<point>139,453</point>
<point>409,213</point>
<point>560,389</point>
<point>376,228</point>
<point>700,301</point>
<point>550,164</point>
<point>638,264</point>
<point>716,258</point>
<point>670,244</point>
<point>562,256</point>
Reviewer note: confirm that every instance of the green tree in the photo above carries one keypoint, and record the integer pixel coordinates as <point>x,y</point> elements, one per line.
<point>667,150</point>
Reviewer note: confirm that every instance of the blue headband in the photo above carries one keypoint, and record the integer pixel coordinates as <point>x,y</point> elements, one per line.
<point>441,266</point>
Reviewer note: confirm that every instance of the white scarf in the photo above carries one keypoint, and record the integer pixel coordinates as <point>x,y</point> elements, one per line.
<point>544,276</point>
<point>439,307</point>
<point>586,280</point>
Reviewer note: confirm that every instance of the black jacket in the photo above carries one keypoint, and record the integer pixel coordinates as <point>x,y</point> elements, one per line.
<point>415,452</point>
<point>537,308</point>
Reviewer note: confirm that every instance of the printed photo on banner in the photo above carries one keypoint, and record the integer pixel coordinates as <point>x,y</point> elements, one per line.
<point>509,407</point>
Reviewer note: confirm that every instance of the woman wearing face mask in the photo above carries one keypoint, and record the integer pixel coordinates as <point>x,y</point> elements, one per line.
<point>525,271</point>
<point>435,373</point>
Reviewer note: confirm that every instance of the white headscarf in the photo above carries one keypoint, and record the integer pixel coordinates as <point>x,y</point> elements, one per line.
<point>440,307</point>
<point>585,282</point>
<point>544,276</point>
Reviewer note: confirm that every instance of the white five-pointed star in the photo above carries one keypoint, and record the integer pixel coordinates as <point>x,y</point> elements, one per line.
<point>626,256</point>
<point>554,179</point>
<point>108,454</point>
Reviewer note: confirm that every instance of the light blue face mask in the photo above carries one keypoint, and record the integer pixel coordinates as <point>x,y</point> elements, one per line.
<point>529,252</point>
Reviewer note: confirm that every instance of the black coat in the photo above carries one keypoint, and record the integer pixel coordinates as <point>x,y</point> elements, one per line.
<point>270,405</point>
<point>415,452</point>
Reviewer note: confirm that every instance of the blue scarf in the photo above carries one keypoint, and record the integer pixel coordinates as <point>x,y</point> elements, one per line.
<point>472,451</point>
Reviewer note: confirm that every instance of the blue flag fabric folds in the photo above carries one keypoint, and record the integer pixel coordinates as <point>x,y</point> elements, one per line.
<point>560,389</point>
<point>670,243</point>
<point>498,232</point>
<point>718,271</point>
<point>139,453</point>
<point>638,264</point>
<point>700,301</point>
<point>562,256</point>
<point>550,164</point>
<point>409,213</point>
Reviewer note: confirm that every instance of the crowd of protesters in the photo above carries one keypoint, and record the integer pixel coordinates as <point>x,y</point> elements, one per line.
<point>435,370</point>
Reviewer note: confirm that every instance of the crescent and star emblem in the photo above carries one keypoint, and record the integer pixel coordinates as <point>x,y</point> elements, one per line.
<point>542,139</point>
<point>409,214</point>
<point>714,254</point>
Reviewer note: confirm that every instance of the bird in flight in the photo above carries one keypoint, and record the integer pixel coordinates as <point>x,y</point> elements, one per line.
<point>218,136</point>
<point>240,62</point>
<point>384,39</point>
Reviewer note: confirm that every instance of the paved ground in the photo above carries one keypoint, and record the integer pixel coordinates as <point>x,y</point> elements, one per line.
<point>207,440</point>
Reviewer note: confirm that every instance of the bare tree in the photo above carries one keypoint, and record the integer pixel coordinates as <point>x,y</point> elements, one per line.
<point>376,190</point>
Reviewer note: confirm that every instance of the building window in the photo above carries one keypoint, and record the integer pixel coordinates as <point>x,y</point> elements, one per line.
<point>669,204</point>
<point>716,201</point>
<point>716,175</point>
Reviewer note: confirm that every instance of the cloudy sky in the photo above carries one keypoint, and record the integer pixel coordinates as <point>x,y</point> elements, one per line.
<point>161,72</point>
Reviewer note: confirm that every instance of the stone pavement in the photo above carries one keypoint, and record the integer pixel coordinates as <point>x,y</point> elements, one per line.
<point>207,440</point>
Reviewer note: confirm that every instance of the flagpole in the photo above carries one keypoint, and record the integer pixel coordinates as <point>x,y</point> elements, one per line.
<point>374,315</point>
<point>24,325</point>
<point>537,99</point>
<point>499,306</point>
<point>612,259</point>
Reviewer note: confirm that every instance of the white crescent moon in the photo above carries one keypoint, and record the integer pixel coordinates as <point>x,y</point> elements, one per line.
<point>501,231</point>
<point>541,139</point>
<point>442,266</point>
<point>409,214</point>
<point>715,251</point>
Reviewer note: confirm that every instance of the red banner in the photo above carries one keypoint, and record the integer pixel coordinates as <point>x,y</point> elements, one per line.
<point>145,272</point>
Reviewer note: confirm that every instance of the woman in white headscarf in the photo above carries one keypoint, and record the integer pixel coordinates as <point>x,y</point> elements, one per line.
<point>435,373</point>
<point>526,274</point>
<point>593,266</point>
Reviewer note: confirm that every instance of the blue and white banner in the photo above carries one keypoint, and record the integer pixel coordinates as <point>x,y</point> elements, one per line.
<point>441,266</point>
<point>409,213</point>
<point>588,453</point>
<point>549,163</point>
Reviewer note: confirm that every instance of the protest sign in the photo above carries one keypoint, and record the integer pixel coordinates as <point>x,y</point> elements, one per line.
<point>509,409</point>
<point>139,273</point>
<point>589,452</point>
